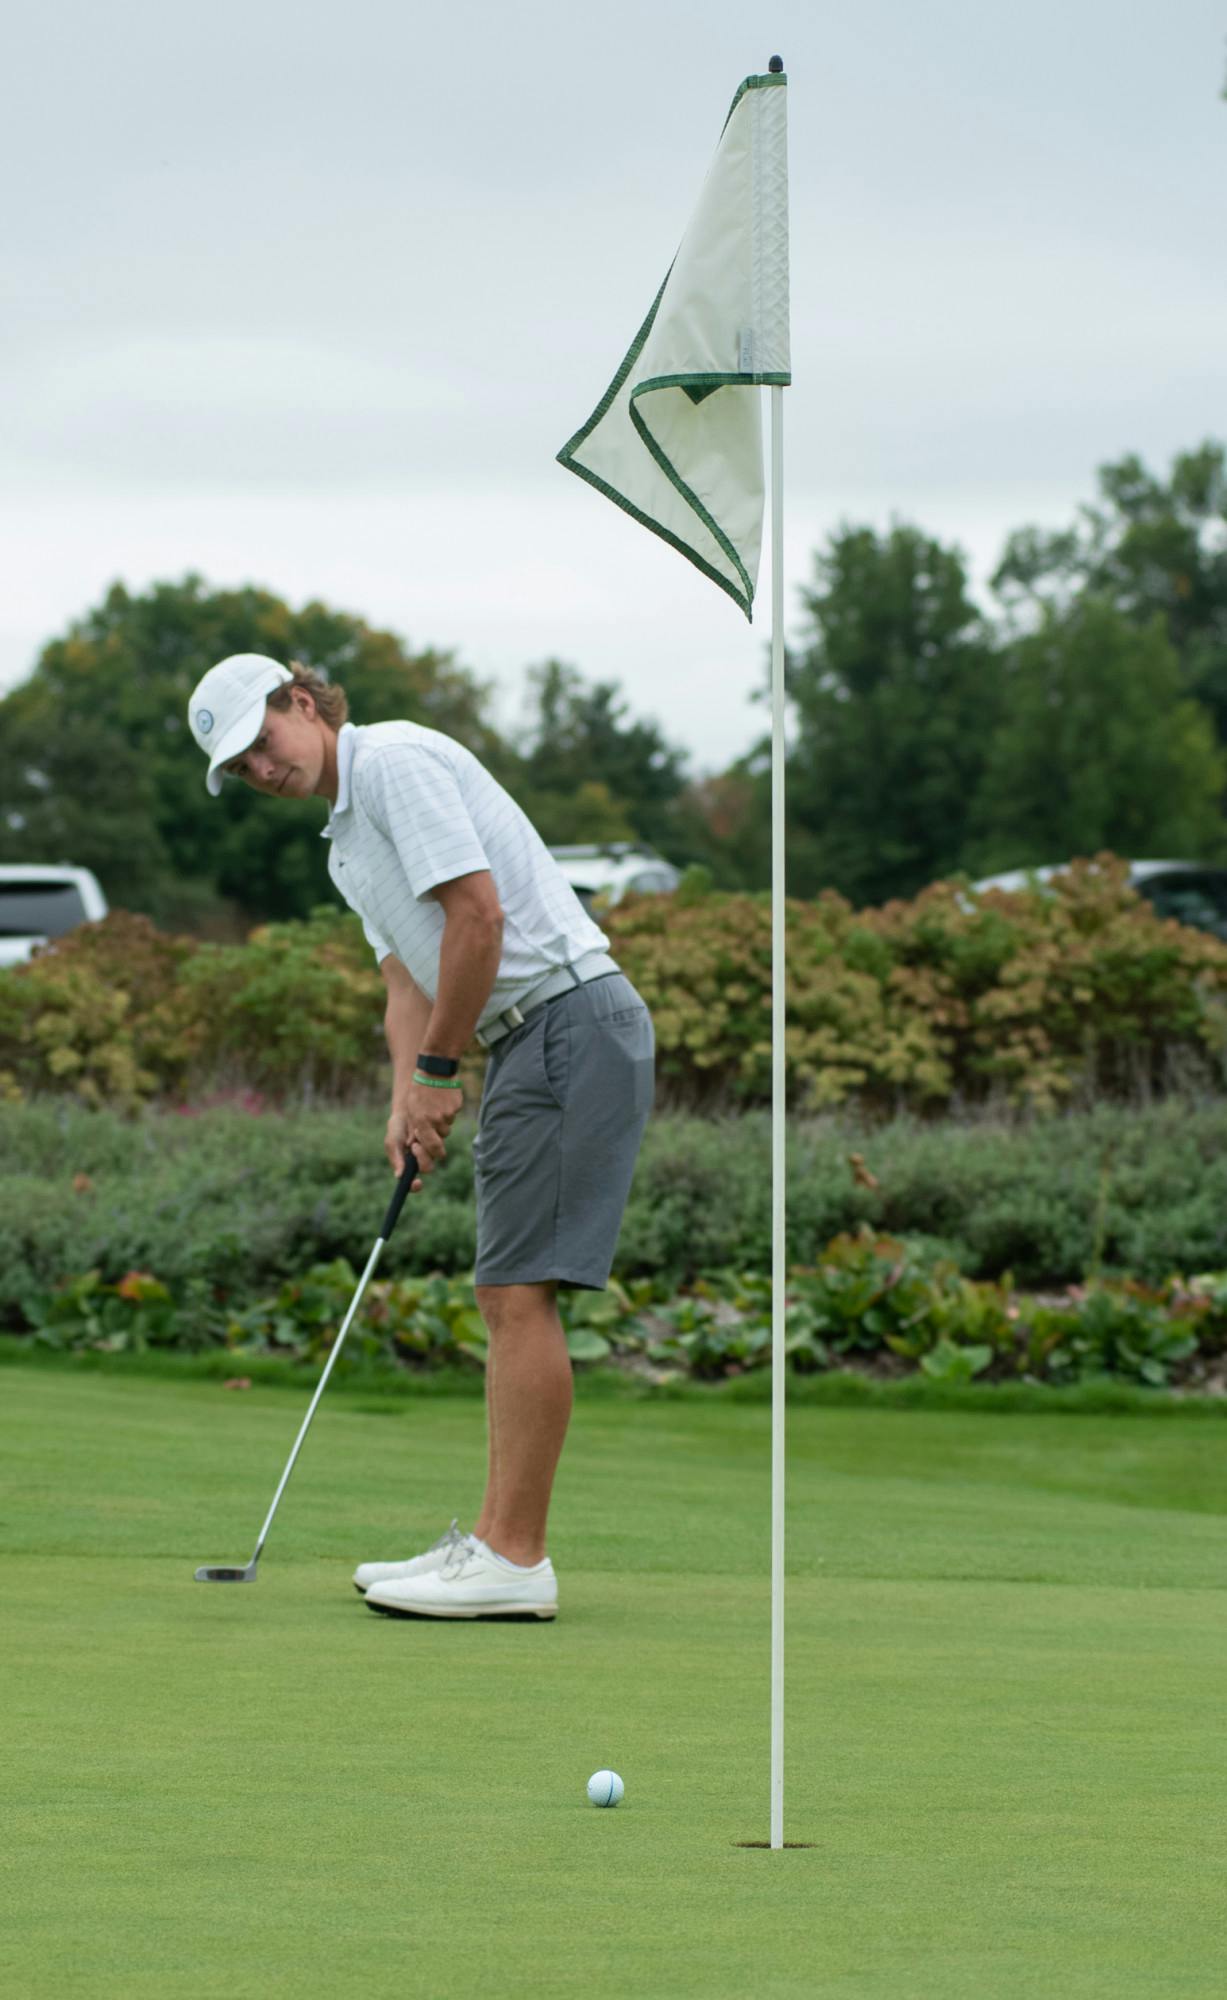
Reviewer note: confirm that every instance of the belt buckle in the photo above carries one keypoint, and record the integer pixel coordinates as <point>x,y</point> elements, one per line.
<point>512,1016</point>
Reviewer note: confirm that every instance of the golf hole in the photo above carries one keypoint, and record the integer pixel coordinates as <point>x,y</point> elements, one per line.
<point>767,1843</point>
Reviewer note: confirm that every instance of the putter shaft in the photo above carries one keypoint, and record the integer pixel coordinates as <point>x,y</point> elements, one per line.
<point>219,1573</point>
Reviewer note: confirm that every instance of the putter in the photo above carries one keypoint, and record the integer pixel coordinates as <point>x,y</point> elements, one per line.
<point>217,1572</point>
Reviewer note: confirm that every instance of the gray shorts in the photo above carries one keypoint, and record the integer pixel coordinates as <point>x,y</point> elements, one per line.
<point>563,1108</point>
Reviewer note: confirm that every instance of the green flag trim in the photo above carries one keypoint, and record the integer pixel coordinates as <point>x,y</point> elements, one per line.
<point>697,387</point>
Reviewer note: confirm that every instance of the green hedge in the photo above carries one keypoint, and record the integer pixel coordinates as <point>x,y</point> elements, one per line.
<point>1045,1251</point>
<point>242,1200</point>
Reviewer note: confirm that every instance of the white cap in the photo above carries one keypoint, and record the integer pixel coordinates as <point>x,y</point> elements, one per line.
<point>226,709</point>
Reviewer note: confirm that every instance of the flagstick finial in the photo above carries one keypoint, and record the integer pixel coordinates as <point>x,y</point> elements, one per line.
<point>776,66</point>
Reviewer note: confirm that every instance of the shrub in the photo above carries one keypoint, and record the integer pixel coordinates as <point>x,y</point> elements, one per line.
<point>80,1016</point>
<point>1038,998</point>
<point>1030,1001</point>
<point>298,1009</point>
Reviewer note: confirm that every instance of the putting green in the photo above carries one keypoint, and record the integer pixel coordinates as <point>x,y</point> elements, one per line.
<point>1006,1645</point>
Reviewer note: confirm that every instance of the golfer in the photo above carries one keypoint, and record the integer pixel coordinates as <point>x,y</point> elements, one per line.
<point>476,932</point>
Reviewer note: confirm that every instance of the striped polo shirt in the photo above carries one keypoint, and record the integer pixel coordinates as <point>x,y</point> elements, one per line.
<point>415,808</point>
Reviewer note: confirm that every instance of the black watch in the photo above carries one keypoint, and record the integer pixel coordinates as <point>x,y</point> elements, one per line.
<point>438,1065</point>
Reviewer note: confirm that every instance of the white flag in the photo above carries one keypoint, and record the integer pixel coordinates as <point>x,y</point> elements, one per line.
<point>675,440</point>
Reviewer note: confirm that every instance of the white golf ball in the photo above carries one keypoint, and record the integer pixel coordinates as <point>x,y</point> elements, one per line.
<point>605,1788</point>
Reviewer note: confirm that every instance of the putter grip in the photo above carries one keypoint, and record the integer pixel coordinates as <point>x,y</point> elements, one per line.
<point>403,1185</point>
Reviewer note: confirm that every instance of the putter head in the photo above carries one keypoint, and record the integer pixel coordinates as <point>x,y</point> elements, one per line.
<point>215,1573</point>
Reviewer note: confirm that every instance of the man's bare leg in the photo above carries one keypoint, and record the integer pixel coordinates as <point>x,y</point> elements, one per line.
<point>489,1505</point>
<point>529,1395</point>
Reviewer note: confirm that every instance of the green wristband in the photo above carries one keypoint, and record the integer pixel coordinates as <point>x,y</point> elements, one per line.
<point>436,1082</point>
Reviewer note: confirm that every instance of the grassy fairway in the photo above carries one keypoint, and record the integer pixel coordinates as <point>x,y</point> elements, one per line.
<point>1006,1644</point>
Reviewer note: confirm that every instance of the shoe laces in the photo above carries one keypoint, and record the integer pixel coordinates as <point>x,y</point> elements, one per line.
<point>449,1540</point>
<point>458,1556</point>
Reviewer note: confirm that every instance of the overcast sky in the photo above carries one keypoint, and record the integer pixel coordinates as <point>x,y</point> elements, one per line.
<point>309,295</point>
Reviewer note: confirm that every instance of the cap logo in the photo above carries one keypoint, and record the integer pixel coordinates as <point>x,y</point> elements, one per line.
<point>204,720</point>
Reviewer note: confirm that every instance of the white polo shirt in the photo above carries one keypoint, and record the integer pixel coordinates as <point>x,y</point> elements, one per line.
<point>415,808</point>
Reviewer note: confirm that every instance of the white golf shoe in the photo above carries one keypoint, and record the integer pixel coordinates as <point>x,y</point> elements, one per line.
<point>472,1583</point>
<point>434,1558</point>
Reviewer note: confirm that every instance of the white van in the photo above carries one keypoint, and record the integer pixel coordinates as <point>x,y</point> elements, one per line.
<point>37,904</point>
<point>614,869</point>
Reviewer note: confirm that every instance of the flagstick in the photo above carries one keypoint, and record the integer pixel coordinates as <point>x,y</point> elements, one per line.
<point>778,1150</point>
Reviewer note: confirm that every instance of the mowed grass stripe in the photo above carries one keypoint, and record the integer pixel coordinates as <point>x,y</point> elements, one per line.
<point>106,1467</point>
<point>1013,1789</point>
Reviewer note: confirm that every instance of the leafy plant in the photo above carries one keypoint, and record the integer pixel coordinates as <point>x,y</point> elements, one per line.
<point>135,1314</point>
<point>949,1363</point>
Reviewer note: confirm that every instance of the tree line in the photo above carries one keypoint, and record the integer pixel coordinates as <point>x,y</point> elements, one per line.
<point>1086,710</point>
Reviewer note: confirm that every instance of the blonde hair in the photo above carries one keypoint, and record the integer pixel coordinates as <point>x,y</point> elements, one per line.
<point>329,699</point>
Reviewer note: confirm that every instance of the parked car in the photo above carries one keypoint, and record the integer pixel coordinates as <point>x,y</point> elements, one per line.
<point>37,904</point>
<point>615,869</point>
<point>1191,891</point>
